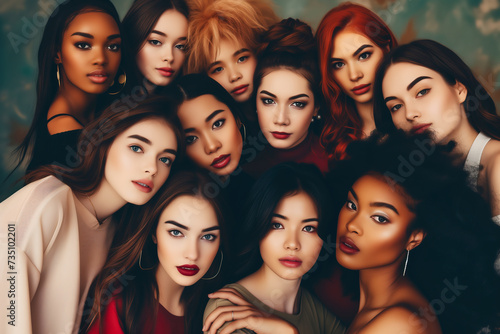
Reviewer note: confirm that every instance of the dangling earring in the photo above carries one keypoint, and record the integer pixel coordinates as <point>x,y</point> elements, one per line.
<point>316,118</point>
<point>58,76</point>
<point>140,260</point>
<point>406,262</point>
<point>218,270</point>
<point>244,133</point>
<point>122,80</point>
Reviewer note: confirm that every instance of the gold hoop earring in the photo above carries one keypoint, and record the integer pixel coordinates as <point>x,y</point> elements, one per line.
<point>122,80</point>
<point>58,75</point>
<point>218,270</point>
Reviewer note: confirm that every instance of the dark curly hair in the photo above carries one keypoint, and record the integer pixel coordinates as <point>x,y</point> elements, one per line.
<point>461,241</point>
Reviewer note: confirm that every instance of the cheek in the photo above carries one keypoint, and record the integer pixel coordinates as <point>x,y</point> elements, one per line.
<point>195,153</point>
<point>144,58</point>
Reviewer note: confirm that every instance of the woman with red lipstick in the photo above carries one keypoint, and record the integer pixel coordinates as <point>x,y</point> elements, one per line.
<point>351,41</point>
<point>287,213</point>
<point>222,41</point>
<point>288,97</point>
<point>64,217</point>
<point>422,241</point>
<point>77,63</point>
<point>424,86</point>
<point>161,275</point>
<point>156,31</point>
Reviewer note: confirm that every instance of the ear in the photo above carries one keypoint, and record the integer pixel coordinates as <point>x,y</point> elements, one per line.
<point>461,91</point>
<point>316,109</point>
<point>416,237</point>
<point>154,239</point>
<point>57,58</point>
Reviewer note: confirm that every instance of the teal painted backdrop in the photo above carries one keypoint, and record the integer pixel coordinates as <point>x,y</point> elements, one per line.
<point>469,27</point>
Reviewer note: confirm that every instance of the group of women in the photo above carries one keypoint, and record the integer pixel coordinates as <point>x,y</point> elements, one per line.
<point>203,166</point>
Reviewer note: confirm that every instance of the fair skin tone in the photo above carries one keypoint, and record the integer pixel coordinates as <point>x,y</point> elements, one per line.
<point>137,164</point>
<point>187,238</point>
<point>419,99</point>
<point>372,237</point>
<point>161,57</point>
<point>285,107</point>
<point>212,134</point>
<point>233,67</point>
<point>354,62</point>
<point>88,61</point>
<point>289,250</point>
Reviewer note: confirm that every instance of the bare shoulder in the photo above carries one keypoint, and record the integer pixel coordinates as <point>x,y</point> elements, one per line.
<point>402,319</point>
<point>60,121</point>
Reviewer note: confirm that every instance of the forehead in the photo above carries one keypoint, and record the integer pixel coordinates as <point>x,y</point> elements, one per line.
<point>94,22</point>
<point>226,49</point>
<point>399,75</point>
<point>194,212</point>
<point>172,22</point>
<point>284,82</point>
<point>196,110</point>
<point>297,206</point>
<point>147,128</point>
<point>346,42</point>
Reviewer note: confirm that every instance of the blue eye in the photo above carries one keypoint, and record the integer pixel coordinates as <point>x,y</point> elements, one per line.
<point>396,107</point>
<point>166,161</point>
<point>175,233</point>
<point>209,237</point>
<point>219,123</point>
<point>136,148</point>
<point>83,45</point>
<point>181,47</point>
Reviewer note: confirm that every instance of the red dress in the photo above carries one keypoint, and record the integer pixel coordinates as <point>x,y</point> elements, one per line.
<point>166,323</point>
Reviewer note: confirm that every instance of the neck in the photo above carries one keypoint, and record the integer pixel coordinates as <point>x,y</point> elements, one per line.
<point>365,112</point>
<point>104,201</point>
<point>464,136</point>
<point>277,293</point>
<point>377,285</point>
<point>79,103</point>
<point>169,292</point>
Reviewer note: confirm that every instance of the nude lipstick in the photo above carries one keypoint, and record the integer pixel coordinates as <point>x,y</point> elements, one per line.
<point>281,135</point>
<point>347,246</point>
<point>98,76</point>
<point>291,261</point>
<point>361,89</point>
<point>221,161</point>
<point>143,185</point>
<point>188,269</point>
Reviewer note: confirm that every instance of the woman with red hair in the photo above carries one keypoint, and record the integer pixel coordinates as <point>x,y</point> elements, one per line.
<point>352,41</point>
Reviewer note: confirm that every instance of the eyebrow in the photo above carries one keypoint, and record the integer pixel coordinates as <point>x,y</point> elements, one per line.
<point>208,229</point>
<point>303,221</point>
<point>410,86</point>
<point>268,93</point>
<point>358,51</point>
<point>159,33</point>
<point>376,204</point>
<point>240,51</point>
<point>209,117</point>
<point>92,37</point>
<point>147,141</point>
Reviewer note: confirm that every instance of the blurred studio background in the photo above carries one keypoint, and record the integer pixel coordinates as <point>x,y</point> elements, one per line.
<point>469,27</point>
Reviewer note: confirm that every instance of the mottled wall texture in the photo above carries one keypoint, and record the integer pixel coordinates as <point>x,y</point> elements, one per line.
<point>469,27</point>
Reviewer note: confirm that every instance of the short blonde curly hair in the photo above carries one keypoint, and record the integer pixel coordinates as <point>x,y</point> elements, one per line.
<point>239,21</point>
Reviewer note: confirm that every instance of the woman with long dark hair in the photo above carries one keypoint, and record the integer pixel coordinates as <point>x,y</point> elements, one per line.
<point>351,41</point>
<point>424,86</point>
<point>78,62</point>
<point>61,221</point>
<point>156,31</point>
<point>161,275</point>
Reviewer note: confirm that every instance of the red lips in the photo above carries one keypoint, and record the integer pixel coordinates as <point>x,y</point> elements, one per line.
<point>144,185</point>
<point>166,71</point>
<point>188,269</point>
<point>361,89</point>
<point>347,246</point>
<point>420,128</point>
<point>240,89</point>
<point>221,161</point>
<point>291,261</point>
<point>281,135</point>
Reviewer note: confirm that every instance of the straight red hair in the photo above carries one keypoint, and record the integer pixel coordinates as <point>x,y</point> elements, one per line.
<point>342,123</point>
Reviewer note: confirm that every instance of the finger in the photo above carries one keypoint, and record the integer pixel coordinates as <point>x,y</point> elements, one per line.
<point>220,310</point>
<point>233,296</point>
<point>228,317</point>
<point>239,324</point>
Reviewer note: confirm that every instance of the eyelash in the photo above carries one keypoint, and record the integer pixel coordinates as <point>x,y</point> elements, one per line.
<point>179,234</point>
<point>421,93</point>
<point>368,55</point>
<point>87,46</point>
<point>191,139</point>
<point>279,226</point>
<point>219,121</point>
<point>350,205</point>
<point>138,149</point>
<point>386,220</point>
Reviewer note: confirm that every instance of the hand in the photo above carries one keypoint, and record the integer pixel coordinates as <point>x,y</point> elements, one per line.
<point>243,315</point>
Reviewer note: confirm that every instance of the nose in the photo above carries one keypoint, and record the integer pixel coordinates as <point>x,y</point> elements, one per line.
<point>281,116</point>
<point>211,143</point>
<point>151,166</point>
<point>168,55</point>
<point>100,57</point>
<point>353,225</point>
<point>412,113</point>
<point>355,72</point>
<point>233,73</point>
<point>292,241</point>
<point>191,251</point>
